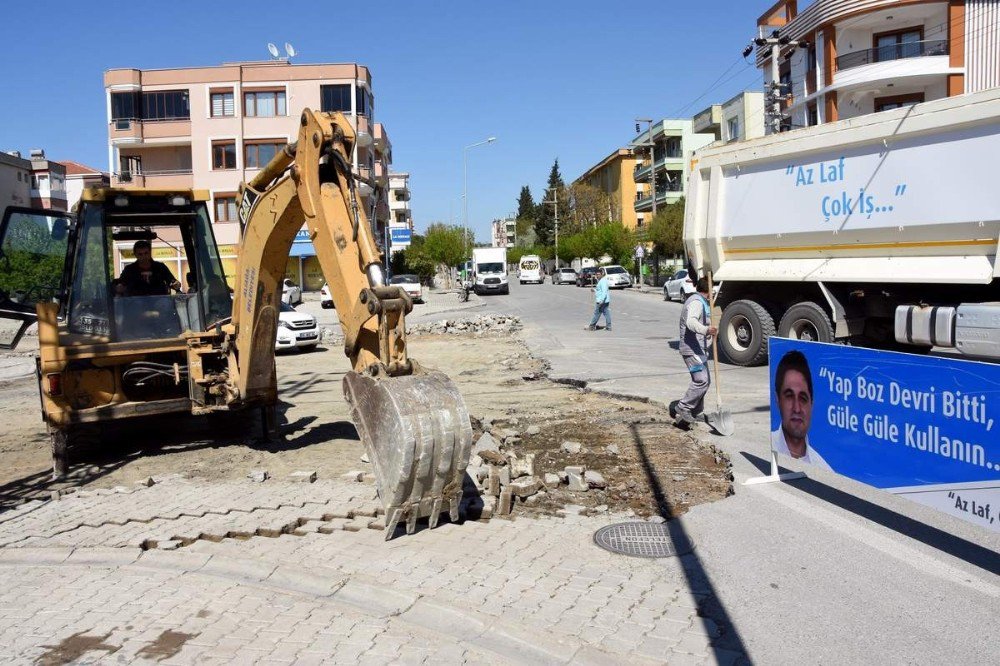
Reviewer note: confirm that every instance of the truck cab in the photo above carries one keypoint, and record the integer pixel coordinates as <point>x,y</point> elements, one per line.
<point>489,271</point>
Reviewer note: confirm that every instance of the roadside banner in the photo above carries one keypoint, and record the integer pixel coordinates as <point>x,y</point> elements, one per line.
<point>924,427</point>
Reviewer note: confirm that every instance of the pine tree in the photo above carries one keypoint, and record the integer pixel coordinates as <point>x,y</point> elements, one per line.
<point>526,204</point>
<point>545,223</point>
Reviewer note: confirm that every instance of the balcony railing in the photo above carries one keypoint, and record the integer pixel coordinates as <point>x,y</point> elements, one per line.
<point>935,47</point>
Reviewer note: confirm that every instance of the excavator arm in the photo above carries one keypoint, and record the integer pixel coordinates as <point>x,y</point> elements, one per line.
<point>412,421</point>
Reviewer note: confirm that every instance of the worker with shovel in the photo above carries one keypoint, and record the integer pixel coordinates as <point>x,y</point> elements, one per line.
<point>695,330</point>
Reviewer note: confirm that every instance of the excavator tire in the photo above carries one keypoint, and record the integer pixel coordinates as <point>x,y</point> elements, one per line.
<point>418,436</point>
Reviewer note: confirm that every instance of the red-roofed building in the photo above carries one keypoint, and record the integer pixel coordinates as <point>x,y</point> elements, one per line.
<point>80,176</point>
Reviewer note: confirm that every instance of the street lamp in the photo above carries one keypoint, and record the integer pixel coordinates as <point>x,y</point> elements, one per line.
<point>465,190</point>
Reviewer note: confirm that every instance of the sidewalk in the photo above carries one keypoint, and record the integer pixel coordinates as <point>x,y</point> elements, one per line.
<point>282,573</point>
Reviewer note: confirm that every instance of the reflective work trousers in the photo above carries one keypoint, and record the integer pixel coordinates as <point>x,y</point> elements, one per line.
<point>694,400</point>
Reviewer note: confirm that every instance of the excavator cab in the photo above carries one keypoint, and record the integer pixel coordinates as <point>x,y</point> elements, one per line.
<point>73,262</point>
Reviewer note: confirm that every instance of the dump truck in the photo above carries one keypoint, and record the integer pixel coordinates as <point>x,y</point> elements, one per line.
<point>126,347</point>
<point>880,230</point>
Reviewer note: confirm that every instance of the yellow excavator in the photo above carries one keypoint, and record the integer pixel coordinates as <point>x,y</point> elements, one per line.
<point>109,350</point>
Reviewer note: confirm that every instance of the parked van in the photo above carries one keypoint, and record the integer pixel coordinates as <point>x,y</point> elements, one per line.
<point>530,269</point>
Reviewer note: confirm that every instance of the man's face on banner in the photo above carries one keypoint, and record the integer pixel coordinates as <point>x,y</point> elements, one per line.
<point>795,405</point>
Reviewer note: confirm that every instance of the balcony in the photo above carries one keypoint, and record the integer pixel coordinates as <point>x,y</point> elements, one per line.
<point>136,131</point>
<point>936,47</point>
<point>168,179</point>
<point>672,160</point>
<point>671,193</point>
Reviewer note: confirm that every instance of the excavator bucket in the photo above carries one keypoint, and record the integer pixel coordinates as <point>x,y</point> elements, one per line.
<point>418,436</point>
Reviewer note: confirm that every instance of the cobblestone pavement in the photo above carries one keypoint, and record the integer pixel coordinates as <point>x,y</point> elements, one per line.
<point>185,571</point>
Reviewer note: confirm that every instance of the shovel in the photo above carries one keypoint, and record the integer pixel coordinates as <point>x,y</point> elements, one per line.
<point>720,420</point>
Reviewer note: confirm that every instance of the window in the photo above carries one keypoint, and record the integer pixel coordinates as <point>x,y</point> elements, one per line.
<point>165,105</point>
<point>223,155</point>
<point>125,105</point>
<point>335,97</point>
<point>733,129</point>
<point>264,103</point>
<point>812,115</point>
<point>897,101</point>
<point>898,44</point>
<point>222,104</point>
<point>365,102</point>
<point>258,153</point>
<point>159,105</point>
<point>225,207</point>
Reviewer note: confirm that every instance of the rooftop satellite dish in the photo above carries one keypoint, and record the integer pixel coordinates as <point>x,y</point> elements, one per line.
<point>289,50</point>
<point>272,49</point>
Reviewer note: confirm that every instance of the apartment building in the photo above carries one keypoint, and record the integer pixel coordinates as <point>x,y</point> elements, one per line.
<point>740,118</point>
<point>614,176</point>
<point>503,232</point>
<point>213,127</point>
<point>674,141</point>
<point>863,56</point>
<point>15,180</point>
<point>48,182</point>
<point>80,176</point>
<point>400,214</point>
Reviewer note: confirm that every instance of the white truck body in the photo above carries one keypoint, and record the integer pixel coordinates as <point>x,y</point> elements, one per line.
<point>857,218</point>
<point>489,270</point>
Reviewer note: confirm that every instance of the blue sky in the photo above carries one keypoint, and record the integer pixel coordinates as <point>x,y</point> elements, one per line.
<point>549,79</point>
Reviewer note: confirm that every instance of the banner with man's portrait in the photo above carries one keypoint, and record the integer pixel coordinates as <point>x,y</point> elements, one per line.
<point>920,426</point>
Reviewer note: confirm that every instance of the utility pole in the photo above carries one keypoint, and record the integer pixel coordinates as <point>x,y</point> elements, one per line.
<point>652,154</point>
<point>555,200</point>
<point>774,91</point>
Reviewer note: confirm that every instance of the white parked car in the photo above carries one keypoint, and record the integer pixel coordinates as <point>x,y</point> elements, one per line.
<point>296,330</point>
<point>411,285</point>
<point>564,276</point>
<point>680,286</point>
<point>290,292</point>
<point>618,277</point>
<point>325,297</point>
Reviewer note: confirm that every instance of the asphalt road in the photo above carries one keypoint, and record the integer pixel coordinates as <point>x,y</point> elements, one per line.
<point>820,570</point>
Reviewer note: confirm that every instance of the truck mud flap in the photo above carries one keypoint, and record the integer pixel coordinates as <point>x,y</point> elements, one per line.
<point>418,436</point>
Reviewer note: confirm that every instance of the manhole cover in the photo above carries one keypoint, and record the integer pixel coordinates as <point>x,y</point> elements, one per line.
<point>642,540</point>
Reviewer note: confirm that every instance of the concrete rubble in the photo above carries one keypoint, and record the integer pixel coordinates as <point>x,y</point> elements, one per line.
<point>480,326</point>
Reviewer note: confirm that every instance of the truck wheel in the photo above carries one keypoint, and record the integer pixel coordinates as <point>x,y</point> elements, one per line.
<point>806,321</point>
<point>743,332</point>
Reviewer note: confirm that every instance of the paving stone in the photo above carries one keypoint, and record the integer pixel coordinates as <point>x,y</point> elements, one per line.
<point>302,476</point>
<point>594,479</point>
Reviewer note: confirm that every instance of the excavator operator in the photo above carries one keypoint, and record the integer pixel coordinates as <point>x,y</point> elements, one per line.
<point>145,277</point>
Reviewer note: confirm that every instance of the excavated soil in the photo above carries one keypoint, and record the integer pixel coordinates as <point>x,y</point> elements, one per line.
<point>658,469</point>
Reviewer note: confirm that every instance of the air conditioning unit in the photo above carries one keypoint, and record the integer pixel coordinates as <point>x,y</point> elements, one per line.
<point>123,124</point>
<point>125,177</point>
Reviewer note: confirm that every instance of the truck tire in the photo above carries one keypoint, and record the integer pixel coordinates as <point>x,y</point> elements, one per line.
<point>743,332</point>
<point>806,321</point>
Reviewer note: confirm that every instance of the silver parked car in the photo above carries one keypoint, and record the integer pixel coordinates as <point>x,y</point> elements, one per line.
<point>564,276</point>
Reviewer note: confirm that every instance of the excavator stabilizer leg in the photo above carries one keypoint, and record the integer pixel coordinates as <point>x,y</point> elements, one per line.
<point>418,436</point>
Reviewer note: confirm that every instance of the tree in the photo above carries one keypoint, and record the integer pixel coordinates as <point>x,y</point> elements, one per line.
<point>545,223</point>
<point>444,246</point>
<point>526,207</point>
<point>588,207</point>
<point>666,230</point>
